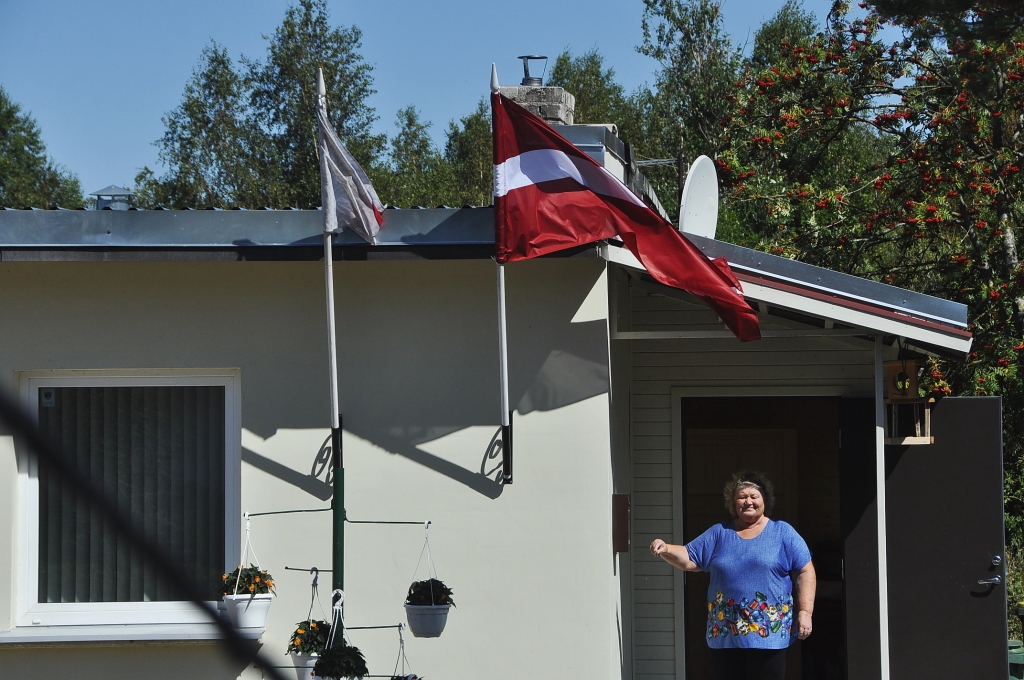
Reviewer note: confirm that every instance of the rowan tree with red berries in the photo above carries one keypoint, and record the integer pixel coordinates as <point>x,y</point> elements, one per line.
<point>896,153</point>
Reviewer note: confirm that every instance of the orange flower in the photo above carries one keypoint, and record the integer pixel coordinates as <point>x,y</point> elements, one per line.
<point>300,631</point>
<point>312,624</point>
<point>252,587</point>
<point>257,579</point>
<point>224,577</point>
<point>298,641</point>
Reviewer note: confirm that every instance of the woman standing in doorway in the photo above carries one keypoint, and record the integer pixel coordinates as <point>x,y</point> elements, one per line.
<point>752,615</point>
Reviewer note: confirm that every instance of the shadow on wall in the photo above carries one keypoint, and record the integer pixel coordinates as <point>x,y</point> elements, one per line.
<point>319,482</point>
<point>418,361</point>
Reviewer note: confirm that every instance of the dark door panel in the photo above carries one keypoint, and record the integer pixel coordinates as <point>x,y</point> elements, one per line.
<point>795,441</point>
<point>944,522</point>
<point>859,526</point>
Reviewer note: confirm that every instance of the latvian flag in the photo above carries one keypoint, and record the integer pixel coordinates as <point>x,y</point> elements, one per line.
<point>346,194</point>
<point>549,196</point>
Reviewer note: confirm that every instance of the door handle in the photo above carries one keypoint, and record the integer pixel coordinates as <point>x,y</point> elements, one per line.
<point>989,581</point>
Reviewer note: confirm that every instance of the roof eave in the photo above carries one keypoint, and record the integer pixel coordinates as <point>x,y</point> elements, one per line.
<point>858,313</point>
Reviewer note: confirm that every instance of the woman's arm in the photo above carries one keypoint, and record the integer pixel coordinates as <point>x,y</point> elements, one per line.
<point>806,583</point>
<point>676,555</point>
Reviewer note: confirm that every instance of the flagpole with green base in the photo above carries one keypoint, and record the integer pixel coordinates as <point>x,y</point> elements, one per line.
<point>337,461</point>
<point>338,506</point>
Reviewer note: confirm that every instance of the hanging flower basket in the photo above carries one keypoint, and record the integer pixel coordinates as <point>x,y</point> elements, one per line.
<point>426,607</point>
<point>341,662</point>
<point>248,611</point>
<point>304,664</point>
<point>247,594</point>
<point>306,645</point>
<point>427,621</point>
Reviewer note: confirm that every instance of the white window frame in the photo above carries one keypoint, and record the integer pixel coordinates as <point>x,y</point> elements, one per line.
<point>34,614</point>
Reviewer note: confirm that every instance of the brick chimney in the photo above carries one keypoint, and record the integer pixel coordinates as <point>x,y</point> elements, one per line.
<point>553,104</point>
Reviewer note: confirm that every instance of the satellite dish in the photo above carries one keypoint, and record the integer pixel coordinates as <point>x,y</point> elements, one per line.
<point>698,208</point>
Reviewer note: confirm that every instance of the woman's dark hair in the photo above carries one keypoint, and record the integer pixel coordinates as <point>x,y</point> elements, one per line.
<point>744,479</point>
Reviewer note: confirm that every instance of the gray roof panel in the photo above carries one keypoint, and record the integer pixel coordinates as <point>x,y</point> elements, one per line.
<point>829,281</point>
<point>420,228</point>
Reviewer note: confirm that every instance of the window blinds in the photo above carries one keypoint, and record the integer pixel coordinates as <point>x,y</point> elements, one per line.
<point>160,452</point>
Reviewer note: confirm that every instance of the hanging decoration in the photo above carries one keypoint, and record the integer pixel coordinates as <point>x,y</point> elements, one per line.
<point>340,660</point>
<point>428,602</point>
<point>908,416</point>
<point>311,636</point>
<point>248,590</point>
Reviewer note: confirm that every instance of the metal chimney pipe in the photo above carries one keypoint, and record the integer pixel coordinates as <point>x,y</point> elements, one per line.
<point>528,80</point>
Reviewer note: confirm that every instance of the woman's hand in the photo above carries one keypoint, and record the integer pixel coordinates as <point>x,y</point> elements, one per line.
<point>675,555</point>
<point>803,622</point>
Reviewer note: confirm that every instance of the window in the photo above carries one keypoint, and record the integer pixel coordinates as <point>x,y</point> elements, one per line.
<point>166,446</point>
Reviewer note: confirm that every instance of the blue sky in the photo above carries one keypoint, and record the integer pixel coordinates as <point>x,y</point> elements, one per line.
<point>98,76</point>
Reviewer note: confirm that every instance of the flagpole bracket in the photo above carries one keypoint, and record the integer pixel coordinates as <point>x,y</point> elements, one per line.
<point>506,451</point>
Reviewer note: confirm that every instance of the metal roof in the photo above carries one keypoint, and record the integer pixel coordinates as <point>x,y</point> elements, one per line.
<point>452,233</point>
<point>763,265</point>
<point>206,229</point>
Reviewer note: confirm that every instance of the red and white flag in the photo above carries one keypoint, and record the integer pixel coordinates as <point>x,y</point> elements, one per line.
<point>549,196</point>
<point>346,194</point>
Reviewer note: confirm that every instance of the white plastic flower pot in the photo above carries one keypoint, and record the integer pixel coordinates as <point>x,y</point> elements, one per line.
<point>427,621</point>
<point>304,666</point>
<point>248,611</point>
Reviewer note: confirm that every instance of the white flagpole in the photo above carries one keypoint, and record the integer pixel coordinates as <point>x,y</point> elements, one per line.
<point>330,217</point>
<point>331,341</point>
<point>330,223</point>
<point>506,414</point>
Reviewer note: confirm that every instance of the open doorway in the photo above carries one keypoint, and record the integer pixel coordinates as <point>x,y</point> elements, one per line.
<point>795,441</point>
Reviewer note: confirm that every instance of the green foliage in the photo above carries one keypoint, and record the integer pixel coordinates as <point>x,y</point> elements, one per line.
<point>28,177</point>
<point>599,99</point>
<point>897,160</point>
<point>698,64</point>
<point>250,581</point>
<point>212,150</point>
<point>341,662</point>
<point>283,98</point>
<point>430,592</point>
<point>468,152</point>
<point>246,136</point>
<point>416,173</point>
<point>1014,592</point>
<point>643,118</point>
<point>680,117</point>
<point>792,24</point>
<point>969,19</point>
<point>310,637</point>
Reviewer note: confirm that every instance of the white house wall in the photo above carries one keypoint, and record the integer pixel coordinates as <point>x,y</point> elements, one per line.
<point>659,368</point>
<point>530,564</point>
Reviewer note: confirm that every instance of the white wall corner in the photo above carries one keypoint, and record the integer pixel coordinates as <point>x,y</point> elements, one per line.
<point>8,520</point>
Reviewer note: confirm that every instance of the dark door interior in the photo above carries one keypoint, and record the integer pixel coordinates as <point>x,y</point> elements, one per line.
<point>795,441</point>
<point>945,530</point>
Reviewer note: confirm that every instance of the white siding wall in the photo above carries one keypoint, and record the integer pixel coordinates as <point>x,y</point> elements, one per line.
<point>529,563</point>
<point>727,367</point>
